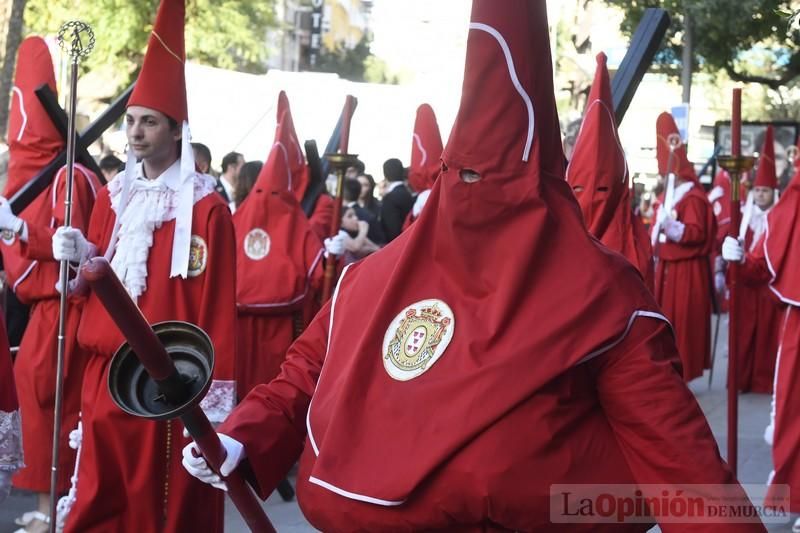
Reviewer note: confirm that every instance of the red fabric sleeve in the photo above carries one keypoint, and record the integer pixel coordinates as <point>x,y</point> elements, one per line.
<point>694,218</point>
<point>754,271</point>
<point>40,243</point>
<point>39,246</point>
<point>659,426</point>
<point>217,313</point>
<point>271,420</point>
<point>322,217</point>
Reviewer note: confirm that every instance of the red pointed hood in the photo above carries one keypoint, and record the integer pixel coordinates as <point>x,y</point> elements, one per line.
<point>720,197</point>
<point>680,165</point>
<point>511,244</point>
<point>426,150</point>
<point>286,135</point>
<point>33,140</point>
<point>277,252</point>
<point>162,81</point>
<point>782,243</point>
<point>598,174</point>
<point>765,175</point>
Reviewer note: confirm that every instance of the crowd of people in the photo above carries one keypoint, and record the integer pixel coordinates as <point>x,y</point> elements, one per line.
<point>500,323</point>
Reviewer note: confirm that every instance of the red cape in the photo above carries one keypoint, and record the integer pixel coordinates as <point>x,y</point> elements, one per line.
<point>466,297</point>
<point>782,244</point>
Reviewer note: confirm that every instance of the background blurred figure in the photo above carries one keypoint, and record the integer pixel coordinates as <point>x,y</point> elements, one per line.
<point>366,199</point>
<point>202,157</point>
<point>245,180</point>
<point>110,166</point>
<point>351,190</point>
<point>226,183</point>
<point>397,201</point>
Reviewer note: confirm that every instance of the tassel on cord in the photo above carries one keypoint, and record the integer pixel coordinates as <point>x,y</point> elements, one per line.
<point>65,503</point>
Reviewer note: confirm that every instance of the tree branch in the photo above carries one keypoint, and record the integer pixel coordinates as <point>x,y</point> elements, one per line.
<point>791,71</point>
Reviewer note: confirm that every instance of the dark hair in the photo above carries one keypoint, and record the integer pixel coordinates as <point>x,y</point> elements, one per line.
<point>245,180</point>
<point>351,190</point>
<point>393,170</point>
<point>203,151</point>
<point>371,202</point>
<point>230,159</point>
<point>111,162</point>
<point>359,166</point>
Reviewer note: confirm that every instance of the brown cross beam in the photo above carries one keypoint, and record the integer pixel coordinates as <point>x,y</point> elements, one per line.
<point>42,180</point>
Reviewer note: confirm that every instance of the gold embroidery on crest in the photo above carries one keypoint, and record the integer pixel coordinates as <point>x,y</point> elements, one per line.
<point>256,244</point>
<point>198,256</point>
<point>420,338</point>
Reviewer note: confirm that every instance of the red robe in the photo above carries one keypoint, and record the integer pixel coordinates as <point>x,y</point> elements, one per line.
<point>130,476</point>
<point>33,274</point>
<point>683,282</point>
<point>599,440</point>
<point>759,323</point>
<point>277,263</point>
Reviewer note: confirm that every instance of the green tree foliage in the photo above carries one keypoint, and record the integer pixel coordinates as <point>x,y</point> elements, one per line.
<point>355,64</point>
<point>751,40</point>
<point>222,33</point>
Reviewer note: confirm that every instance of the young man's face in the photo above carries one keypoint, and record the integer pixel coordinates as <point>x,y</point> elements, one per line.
<point>149,133</point>
<point>763,196</point>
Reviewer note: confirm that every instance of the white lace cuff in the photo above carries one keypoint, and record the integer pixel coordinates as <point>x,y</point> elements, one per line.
<point>10,441</point>
<point>219,401</point>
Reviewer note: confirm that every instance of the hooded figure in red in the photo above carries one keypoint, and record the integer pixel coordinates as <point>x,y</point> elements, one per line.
<point>598,174</point>
<point>775,262</point>
<point>170,240</point>
<point>322,215</point>
<point>760,312</point>
<point>492,351</point>
<point>277,261</point>
<point>426,161</point>
<point>683,248</point>
<point>33,273</point>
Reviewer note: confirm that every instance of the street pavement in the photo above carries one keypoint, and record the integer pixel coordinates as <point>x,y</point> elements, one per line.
<point>755,461</point>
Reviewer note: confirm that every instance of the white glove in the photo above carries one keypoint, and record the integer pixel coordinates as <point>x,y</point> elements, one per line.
<point>198,467</point>
<point>5,484</point>
<point>673,229</point>
<point>8,220</point>
<point>335,245</point>
<point>732,250</point>
<point>70,244</point>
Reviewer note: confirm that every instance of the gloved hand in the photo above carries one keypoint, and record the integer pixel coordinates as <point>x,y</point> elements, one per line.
<point>732,250</point>
<point>8,220</point>
<point>70,244</point>
<point>335,245</point>
<point>673,229</point>
<point>198,467</point>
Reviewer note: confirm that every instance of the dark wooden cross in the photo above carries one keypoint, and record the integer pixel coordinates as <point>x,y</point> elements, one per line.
<point>42,180</point>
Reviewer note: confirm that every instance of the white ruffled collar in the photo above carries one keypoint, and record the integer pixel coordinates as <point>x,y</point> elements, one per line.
<point>150,204</point>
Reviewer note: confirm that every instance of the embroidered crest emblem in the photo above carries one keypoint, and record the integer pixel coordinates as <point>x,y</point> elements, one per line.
<point>198,256</point>
<point>417,338</point>
<point>256,244</point>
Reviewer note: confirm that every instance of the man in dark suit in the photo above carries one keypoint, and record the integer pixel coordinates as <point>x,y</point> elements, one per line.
<point>397,201</point>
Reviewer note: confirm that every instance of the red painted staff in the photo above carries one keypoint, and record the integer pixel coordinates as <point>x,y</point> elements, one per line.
<point>736,165</point>
<point>163,391</point>
<point>339,161</point>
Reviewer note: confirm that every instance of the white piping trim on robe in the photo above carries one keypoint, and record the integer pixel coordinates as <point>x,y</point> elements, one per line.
<point>421,148</point>
<point>514,80</point>
<point>391,503</point>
